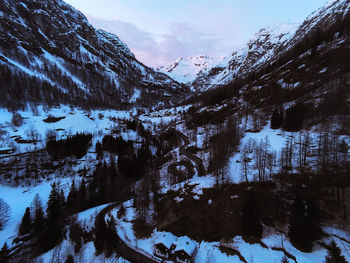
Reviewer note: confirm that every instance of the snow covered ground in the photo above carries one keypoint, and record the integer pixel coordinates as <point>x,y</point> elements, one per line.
<point>275,139</point>
<point>98,122</point>
<point>87,252</point>
<point>75,120</point>
<point>19,198</point>
<point>272,251</point>
<point>146,246</point>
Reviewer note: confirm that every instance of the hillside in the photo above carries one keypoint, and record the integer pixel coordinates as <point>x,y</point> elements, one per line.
<point>49,52</point>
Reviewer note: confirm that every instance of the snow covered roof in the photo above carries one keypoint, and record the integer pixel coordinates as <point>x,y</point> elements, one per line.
<point>185,244</point>
<point>167,239</point>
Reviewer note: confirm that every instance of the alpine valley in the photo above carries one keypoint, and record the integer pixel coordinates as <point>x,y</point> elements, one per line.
<point>243,158</point>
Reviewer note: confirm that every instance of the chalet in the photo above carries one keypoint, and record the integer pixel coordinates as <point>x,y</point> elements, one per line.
<point>185,250</point>
<point>164,246</point>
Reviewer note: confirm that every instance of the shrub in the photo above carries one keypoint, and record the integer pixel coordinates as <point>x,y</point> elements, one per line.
<point>17,119</point>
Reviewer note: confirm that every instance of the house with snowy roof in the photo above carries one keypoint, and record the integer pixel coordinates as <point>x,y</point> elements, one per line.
<point>185,250</point>
<point>171,248</point>
<point>164,246</point>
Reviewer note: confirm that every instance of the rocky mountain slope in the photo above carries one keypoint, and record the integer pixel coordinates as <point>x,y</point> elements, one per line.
<point>257,51</point>
<point>49,52</point>
<point>309,70</point>
<point>203,72</point>
<point>266,47</point>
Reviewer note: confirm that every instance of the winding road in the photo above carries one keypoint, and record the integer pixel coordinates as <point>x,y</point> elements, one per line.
<point>187,161</point>
<point>122,248</point>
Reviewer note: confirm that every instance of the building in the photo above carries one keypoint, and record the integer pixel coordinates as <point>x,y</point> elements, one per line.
<point>171,248</point>
<point>164,246</point>
<point>185,250</point>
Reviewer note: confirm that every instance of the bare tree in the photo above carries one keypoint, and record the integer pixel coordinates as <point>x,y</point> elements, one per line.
<point>5,213</point>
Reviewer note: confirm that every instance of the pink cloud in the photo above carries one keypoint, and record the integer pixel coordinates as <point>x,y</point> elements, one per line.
<point>181,41</point>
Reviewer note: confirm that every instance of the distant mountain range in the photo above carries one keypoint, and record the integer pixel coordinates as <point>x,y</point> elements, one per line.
<point>267,45</point>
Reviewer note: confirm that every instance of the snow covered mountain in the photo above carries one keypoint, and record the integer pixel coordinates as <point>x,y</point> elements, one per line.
<point>186,70</point>
<point>55,55</point>
<point>203,72</point>
<point>265,47</point>
<point>257,51</point>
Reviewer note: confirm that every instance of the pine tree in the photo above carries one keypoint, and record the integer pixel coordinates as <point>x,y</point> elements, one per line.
<point>62,202</point>
<point>334,254</point>
<point>26,224</point>
<point>304,224</point>
<point>313,220</point>
<point>83,202</point>
<point>4,253</point>
<point>294,117</point>
<point>276,119</point>
<point>55,204</point>
<point>99,151</point>
<point>38,212</point>
<point>297,224</point>
<point>251,225</point>
<point>69,259</point>
<point>52,233</point>
<point>72,198</point>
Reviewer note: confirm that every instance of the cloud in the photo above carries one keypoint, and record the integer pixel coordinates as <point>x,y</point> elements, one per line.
<point>182,40</point>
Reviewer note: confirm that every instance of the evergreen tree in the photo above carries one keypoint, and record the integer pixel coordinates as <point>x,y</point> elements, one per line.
<point>53,204</point>
<point>313,220</point>
<point>99,151</point>
<point>38,212</point>
<point>83,201</point>
<point>4,253</point>
<point>304,224</point>
<point>62,202</point>
<point>294,117</point>
<point>69,259</point>
<point>72,198</point>
<point>26,224</point>
<point>251,224</point>
<point>52,233</point>
<point>276,119</point>
<point>334,254</point>
<point>297,222</point>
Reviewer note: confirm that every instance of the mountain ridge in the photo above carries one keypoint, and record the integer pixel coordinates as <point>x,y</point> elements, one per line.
<point>54,46</point>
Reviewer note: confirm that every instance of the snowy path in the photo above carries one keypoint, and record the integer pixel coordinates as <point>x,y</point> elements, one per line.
<point>122,248</point>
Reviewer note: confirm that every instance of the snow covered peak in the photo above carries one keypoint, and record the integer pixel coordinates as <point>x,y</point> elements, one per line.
<point>321,19</point>
<point>275,34</point>
<point>257,51</point>
<point>185,70</point>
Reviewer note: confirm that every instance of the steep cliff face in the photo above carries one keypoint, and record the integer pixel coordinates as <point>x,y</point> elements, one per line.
<point>52,53</point>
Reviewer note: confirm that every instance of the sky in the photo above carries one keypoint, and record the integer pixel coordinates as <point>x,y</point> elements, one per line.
<point>160,31</point>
